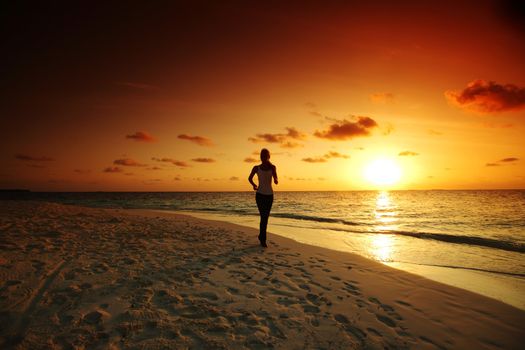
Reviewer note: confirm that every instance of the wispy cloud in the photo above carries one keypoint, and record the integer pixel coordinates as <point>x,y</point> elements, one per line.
<point>234,178</point>
<point>29,158</point>
<point>504,161</point>
<point>407,153</point>
<point>488,97</point>
<point>333,154</point>
<point>141,136</point>
<point>113,169</point>
<point>250,160</point>
<point>348,129</point>
<point>314,160</point>
<point>127,162</point>
<point>434,132</point>
<point>508,160</point>
<point>172,161</point>
<point>203,160</point>
<point>324,158</point>
<point>199,140</point>
<point>382,97</point>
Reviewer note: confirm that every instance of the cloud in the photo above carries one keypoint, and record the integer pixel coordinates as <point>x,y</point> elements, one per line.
<point>141,136</point>
<point>325,157</point>
<point>177,178</point>
<point>29,158</point>
<point>488,97</point>
<point>503,161</point>
<point>333,154</point>
<point>382,97</point>
<point>113,169</point>
<point>314,160</point>
<point>172,161</point>
<point>203,160</point>
<point>508,160</point>
<point>82,171</point>
<point>286,140</point>
<point>313,109</point>
<point>407,153</point>
<point>127,162</point>
<point>234,178</point>
<point>345,129</point>
<point>154,168</point>
<point>250,160</point>
<point>434,132</point>
<point>199,140</point>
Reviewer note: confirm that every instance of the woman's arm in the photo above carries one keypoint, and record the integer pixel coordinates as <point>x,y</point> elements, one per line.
<point>250,178</point>
<point>274,174</point>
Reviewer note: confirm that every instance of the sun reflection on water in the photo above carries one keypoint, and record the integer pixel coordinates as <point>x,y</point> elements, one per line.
<point>385,221</point>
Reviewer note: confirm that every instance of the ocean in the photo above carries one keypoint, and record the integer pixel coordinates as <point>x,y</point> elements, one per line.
<point>473,239</point>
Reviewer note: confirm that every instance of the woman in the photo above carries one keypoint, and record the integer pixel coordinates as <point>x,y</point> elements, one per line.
<point>264,195</point>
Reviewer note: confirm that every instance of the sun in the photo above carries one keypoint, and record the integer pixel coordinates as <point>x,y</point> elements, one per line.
<point>382,172</point>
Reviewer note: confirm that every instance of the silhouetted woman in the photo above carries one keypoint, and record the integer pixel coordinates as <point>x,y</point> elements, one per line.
<point>264,195</point>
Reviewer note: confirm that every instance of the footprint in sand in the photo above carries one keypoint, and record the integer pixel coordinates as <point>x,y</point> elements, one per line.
<point>344,322</point>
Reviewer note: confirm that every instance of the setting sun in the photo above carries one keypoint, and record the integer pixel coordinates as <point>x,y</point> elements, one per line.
<point>382,172</point>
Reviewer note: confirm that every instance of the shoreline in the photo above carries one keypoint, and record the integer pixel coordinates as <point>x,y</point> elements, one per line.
<point>117,278</point>
<point>507,289</point>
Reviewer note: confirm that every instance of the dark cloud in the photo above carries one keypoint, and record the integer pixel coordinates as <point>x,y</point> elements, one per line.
<point>488,97</point>
<point>250,160</point>
<point>127,162</point>
<point>407,153</point>
<point>172,161</point>
<point>141,136</point>
<point>199,140</point>
<point>503,161</point>
<point>113,169</point>
<point>234,178</point>
<point>154,168</point>
<point>508,160</point>
<point>203,160</point>
<point>29,158</point>
<point>381,97</point>
<point>345,129</point>
<point>177,178</point>
<point>286,140</point>
<point>314,160</point>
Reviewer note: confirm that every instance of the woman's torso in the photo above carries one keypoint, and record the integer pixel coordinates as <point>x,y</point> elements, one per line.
<point>264,173</point>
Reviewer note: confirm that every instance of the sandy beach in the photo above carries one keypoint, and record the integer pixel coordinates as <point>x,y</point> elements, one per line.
<point>82,278</point>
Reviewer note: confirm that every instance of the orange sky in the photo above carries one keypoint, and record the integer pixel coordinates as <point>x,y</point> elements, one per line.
<point>328,87</point>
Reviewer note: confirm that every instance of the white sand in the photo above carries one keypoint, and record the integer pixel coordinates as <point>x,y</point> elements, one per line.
<point>73,277</point>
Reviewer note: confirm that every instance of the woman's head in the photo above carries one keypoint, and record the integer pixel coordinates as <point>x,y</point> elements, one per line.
<point>265,155</point>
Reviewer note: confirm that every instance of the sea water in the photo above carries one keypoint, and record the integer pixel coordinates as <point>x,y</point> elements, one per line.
<point>471,239</point>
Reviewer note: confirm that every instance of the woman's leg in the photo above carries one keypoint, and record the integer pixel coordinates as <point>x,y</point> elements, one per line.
<point>264,204</point>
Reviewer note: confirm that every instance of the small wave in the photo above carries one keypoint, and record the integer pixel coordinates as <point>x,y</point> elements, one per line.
<point>461,239</point>
<point>514,274</point>
<point>315,218</point>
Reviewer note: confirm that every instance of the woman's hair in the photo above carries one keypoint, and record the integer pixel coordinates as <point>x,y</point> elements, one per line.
<point>265,155</point>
